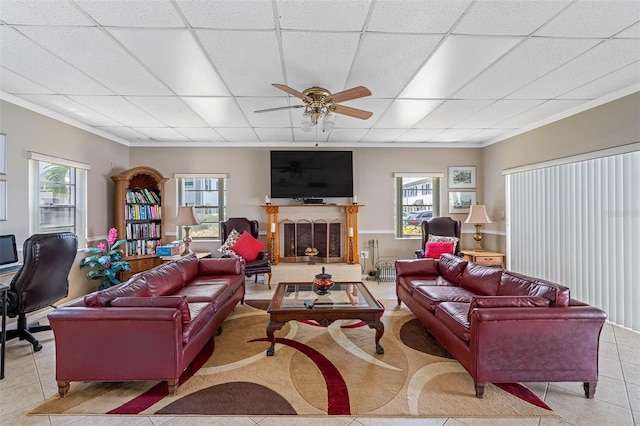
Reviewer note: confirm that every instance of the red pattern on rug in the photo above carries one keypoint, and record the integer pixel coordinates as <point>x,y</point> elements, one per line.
<point>517,390</point>
<point>161,390</point>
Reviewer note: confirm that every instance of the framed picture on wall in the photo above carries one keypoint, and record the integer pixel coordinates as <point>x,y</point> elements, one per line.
<point>3,154</point>
<point>462,177</point>
<point>461,202</point>
<point>3,200</point>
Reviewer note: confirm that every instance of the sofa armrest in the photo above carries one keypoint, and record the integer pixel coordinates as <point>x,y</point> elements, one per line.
<point>178,302</point>
<point>221,266</point>
<point>419,253</point>
<point>417,267</point>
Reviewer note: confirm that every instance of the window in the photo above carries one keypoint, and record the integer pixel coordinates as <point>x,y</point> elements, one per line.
<point>417,199</point>
<point>207,193</point>
<point>57,195</point>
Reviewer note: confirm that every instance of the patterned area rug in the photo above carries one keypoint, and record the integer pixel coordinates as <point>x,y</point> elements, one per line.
<point>316,370</point>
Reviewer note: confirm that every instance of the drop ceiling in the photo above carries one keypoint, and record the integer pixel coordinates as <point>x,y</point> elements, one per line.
<point>192,73</point>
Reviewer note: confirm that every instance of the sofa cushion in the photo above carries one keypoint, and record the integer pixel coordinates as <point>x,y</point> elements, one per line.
<point>188,266</point>
<point>508,302</point>
<point>514,284</point>
<point>428,281</point>
<point>179,302</point>
<point>221,266</point>
<point>432,296</point>
<point>481,279</point>
<point>442,238</point>
<point>201,315</point>
<point>248,247</point>
<point>454,315</point>
<point>133,288</point>
<point>451,267</point>
<point>164,279</point>
<point>204,293</point>
<point>419,267</point>
<point>433,249</point>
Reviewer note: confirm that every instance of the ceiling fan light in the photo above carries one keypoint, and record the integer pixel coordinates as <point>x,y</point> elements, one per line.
<point>305,123</point>
<point>328,121</point>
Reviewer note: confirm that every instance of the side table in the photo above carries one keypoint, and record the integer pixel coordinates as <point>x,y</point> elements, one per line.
<point>4,290</point>
<point>488,258</point>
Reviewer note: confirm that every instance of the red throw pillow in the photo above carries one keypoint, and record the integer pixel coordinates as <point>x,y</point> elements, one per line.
<point>248,247</point>
<point>433,249</point>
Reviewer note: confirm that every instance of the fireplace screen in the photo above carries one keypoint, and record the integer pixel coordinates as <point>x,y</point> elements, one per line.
<point>326,237</point>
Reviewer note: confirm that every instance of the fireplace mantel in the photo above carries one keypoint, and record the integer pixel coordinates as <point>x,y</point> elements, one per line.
<point>310,212</point>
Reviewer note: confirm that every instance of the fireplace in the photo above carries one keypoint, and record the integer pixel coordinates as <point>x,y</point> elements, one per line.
<point>332,229</point>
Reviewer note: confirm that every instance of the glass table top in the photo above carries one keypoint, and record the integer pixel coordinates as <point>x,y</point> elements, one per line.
<point>340,296</point>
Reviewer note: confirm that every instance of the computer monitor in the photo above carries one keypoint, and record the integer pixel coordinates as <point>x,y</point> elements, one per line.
<point>8,250</point>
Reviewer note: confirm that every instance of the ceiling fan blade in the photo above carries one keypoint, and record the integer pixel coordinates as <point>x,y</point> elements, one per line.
<point>279,108</point>
<point>290,91</point>
<point>347,95</point>
<point>351,112</point>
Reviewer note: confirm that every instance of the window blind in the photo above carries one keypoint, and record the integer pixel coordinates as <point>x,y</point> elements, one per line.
<point>578,224</point>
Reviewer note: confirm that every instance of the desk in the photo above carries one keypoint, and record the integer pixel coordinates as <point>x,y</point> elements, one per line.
<point>4,290</point>
<point>199,255</point>
<point>488,258</point>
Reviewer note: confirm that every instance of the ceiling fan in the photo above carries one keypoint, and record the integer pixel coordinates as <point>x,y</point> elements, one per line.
<point>319,102</point>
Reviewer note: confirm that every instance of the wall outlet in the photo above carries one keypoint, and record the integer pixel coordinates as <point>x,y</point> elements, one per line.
<point>364,254</point>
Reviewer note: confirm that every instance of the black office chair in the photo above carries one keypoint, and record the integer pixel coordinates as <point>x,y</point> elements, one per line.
<point>443,226</point>
<point>261,265</point>
<point>41,282</point>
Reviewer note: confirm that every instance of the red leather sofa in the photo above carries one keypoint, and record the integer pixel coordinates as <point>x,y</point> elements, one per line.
<point>502,326</point>
<point>148,328</point>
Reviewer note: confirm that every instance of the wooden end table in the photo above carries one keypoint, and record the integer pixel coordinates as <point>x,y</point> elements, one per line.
<point>347,300</point>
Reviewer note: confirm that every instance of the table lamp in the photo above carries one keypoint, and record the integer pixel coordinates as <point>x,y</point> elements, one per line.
<point>187,218</point>
<point>478,216</point>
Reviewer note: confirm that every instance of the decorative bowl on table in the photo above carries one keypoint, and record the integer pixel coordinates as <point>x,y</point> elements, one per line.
<point>311,252</point>
<point>322,283</point>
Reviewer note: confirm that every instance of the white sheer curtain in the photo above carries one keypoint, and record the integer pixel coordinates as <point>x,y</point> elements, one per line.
<point>578,224</point>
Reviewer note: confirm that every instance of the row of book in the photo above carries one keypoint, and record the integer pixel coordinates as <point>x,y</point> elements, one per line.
<point>142,212</point>
<point>142,196</point>
<point>137,231</point>
<point>140,247</point>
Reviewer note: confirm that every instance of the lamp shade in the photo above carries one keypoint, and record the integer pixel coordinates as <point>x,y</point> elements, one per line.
<point>478,214</point>
<point>186,217</point>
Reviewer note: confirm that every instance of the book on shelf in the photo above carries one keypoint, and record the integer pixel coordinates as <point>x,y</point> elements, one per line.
<point>143,196</point>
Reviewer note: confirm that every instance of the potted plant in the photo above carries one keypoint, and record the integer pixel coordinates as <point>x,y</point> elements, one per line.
<point>105,261</point>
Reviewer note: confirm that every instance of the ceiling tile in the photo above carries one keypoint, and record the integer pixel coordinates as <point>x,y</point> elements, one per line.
<point>312,136</point>
<point>418,135</point>
<point>603,59</point>
<point>454,135</point>
<point>92,51</point>
<point>237,134</point>
<point>508,17</point>
<point>132,13</point>
<point>451,112</point>
<point>228,14</point>
<point>632,32</point>
<point>376,63</point>
<point>522,65</point>
<point>70,108</point>
<point>166,53</point>
<point>271,134</point>
<point>404,113</point>
<point>161,134</point>
<point>327,15</point>
<point>335,52</point>
<point>622,78</point>
<point>118,109</point>
<point>382,135</point>
<point>200,134</point>
<point>488,135</point>
<point>248,61</point>
<point>593,18</point>
<point>280,118</point>
<point>346,135</point>
<point>126,133</point>
<point>218,111</point>
<point>169,110</point>
<point>25,58</point>
<point>497,113</point>
<point>540,112</point>
<point>416,16</point>
<point>456,61</point>
<point>16,84</point>
<point>29,12</point>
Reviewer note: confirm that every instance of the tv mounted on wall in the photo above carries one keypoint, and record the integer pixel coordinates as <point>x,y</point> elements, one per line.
<point>310,174</point>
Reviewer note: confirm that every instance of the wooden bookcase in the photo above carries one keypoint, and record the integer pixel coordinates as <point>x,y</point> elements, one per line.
<point>139,216</point>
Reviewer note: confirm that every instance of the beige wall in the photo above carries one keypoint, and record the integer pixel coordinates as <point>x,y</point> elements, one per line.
<point>29,131</point>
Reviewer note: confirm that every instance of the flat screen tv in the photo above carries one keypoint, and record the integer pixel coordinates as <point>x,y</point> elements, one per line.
<point>311,174</point>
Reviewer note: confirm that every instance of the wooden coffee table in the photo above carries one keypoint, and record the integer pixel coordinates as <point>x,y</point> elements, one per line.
<point>347,300</point>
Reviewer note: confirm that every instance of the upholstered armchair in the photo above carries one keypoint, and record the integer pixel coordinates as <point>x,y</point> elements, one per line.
<point>261,264</point>
<point>441,226</point>
<point>41,282</point>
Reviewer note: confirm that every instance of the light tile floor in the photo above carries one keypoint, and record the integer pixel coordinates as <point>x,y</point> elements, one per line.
<point>30,379</point>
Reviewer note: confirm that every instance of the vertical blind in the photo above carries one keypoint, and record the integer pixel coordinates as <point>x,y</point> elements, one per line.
<point>578,224</point>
